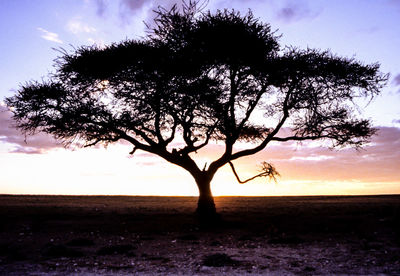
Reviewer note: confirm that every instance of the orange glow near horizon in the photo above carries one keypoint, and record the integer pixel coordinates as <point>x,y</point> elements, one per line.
<point>111,172</point>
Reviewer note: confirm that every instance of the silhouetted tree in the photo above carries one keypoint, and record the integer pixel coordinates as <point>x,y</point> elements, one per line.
<point>200,77</point>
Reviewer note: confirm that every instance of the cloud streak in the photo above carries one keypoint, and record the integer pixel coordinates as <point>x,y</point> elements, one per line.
<point>49,36</point>
<point>295,11</point>
<point>378,161</point>
<point>101,7</point>
<point>35,144</point>
<point>132,5</point>
<point>130,9</point>
<point>287,12</point>
<point>396,80</point>
<point>76,26</point>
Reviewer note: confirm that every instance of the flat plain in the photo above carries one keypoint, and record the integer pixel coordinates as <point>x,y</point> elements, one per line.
<point>130,235</point>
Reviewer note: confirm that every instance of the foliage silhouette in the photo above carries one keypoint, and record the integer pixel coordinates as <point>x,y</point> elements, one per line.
<point>200,76</point>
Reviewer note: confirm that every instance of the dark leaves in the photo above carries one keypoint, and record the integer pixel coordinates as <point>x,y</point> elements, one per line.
<point>200,76</point>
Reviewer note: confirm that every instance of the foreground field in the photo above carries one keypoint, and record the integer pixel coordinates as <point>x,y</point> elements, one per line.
<point>59,235</point>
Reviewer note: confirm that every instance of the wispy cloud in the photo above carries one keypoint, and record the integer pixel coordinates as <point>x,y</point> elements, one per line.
<point>76,26</point>
<point>129,9</point>
<point>98,42</point>
<point>101,7</point>
<point>377,161</point>
<point>39,143</point>
<point>396,80</point>
<point>288,11</point>
<point>49,35</point>
<point>133,5</point>
<point>295,11</point>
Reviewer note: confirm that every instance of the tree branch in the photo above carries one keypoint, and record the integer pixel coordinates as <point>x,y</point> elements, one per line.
<point>144,136</point>
<point>267,171</point>
<point>232,99</point>
<point>133,150</point>
<point>250,109</point>
<point>270,135</point>
<point>136,143</point>
<point>157,124</point>
<point>298,138</point>
<point>173,129</point>
<point>191,147</point>
<point>93,143</point>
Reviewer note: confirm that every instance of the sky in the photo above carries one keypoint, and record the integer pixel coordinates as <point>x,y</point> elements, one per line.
<point>33,32</point>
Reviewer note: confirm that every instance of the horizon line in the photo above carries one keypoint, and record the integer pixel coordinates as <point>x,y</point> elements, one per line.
<point>320,195</point>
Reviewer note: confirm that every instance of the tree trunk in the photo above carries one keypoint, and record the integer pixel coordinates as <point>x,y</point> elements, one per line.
<point>205,205</point>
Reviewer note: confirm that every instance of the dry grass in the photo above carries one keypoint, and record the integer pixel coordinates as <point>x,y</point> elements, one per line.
<point>160,235</point>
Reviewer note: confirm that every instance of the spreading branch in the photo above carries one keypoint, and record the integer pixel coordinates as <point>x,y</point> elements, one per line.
<point>202,77</point>
<point>267,170</point>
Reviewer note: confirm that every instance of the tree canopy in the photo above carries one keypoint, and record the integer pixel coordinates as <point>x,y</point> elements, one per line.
<point>201,77</point>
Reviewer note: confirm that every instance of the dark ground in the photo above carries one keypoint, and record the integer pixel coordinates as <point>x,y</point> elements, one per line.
<point>64,235</point>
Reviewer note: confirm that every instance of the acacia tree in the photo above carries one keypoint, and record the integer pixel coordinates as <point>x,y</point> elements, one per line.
<point>200,77</point>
